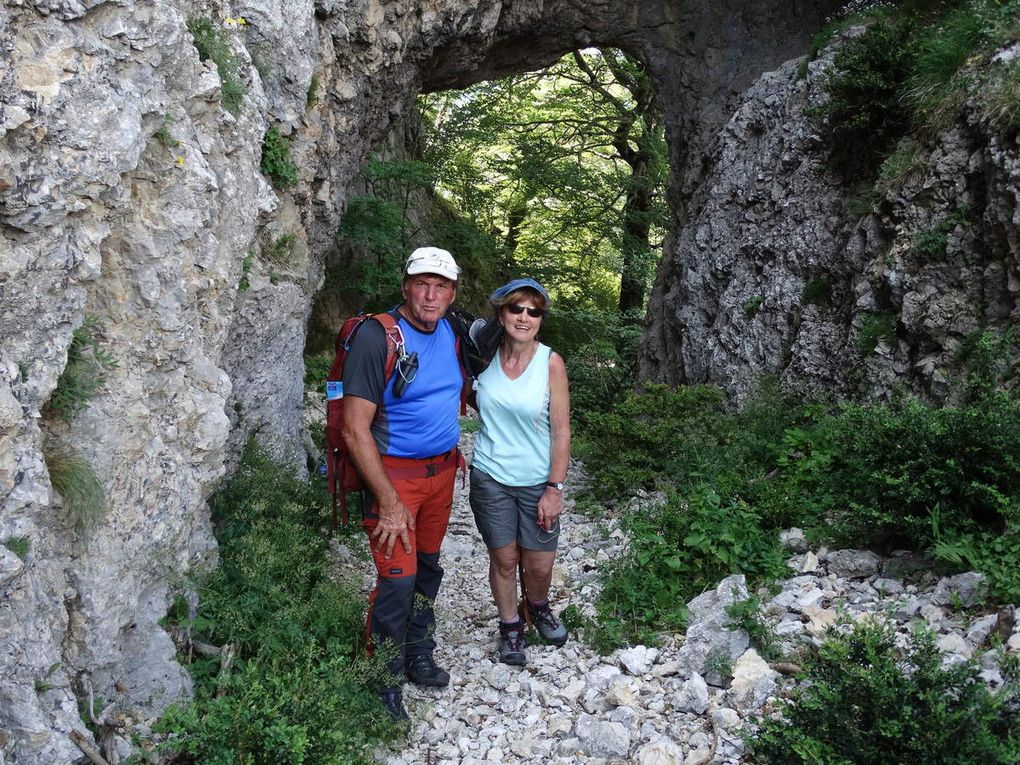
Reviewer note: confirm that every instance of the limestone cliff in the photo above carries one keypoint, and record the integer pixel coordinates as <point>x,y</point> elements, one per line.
<point>770,274</point>
<point>129,194</point>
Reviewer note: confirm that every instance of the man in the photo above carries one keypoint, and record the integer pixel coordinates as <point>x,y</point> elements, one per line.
<point>402,435</point>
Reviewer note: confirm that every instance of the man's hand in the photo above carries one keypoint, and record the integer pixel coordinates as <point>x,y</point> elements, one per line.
<point>395,521</point>
<point>550,506</point>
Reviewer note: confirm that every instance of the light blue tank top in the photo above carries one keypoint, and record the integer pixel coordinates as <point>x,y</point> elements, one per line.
<point>514,445</point>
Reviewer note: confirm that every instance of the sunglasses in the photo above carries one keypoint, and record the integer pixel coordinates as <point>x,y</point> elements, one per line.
<point>517,310</point>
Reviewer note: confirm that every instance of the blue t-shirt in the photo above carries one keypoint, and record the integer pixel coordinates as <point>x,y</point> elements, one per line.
<point>423,421</point>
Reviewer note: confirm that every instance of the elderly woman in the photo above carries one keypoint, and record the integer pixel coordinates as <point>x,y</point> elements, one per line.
<point>520,463</point>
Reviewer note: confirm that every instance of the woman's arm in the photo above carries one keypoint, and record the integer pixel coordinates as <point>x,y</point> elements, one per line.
<point>551,504</point>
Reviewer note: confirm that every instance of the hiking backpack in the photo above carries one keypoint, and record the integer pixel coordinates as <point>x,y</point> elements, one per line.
<point>341,474</point>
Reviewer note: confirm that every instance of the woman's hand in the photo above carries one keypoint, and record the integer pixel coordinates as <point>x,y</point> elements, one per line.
<point>550,506</point>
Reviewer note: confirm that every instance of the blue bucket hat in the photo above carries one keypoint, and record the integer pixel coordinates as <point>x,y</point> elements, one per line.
<point>516,284</point>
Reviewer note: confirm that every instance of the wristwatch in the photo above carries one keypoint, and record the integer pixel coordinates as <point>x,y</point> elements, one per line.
<point>553,484</point>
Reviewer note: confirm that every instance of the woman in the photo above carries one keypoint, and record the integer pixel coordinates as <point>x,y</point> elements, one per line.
<point>520,463</point>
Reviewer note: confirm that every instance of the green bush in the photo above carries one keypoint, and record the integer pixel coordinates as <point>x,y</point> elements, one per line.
<point>85,374</point>
<point>213,44</point>
<point>875,327</point>
<point>301,689</point>
<point>316,370</point>
<point>676,551</point>
<point>864,701</point>
<point>864,117</point>
<point>883,474</point>
<point>276,163</point>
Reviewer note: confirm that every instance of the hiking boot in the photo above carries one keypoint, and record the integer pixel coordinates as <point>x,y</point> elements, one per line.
<point>422,670</point>
<point>511,644</point>
<point>393,703</point>
<point>549,627</point>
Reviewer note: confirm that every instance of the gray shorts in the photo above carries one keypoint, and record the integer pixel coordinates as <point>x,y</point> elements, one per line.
<point>506,514</point>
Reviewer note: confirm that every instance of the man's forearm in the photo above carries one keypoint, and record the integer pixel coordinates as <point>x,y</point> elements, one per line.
<point>369,464</point>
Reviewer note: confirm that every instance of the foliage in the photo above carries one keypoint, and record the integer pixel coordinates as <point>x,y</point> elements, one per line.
<point>995,555</point>
<point>74,479</point>
<point>677,550</point>
<point>748,615</point>
<point>865,701</point>
<point>863,117</point>
<point>906,160</point>
<point>817,291</point>
<point>85,374</point>
<point>282,250</point>
<point>163,134</point>
<point>751,306</point>
<point>933,240</point>
<point>316,370</point>
<point>1001,94</point>
<point>20,546</point>
<point>985,358</point>
<point>566,167</point>
<point>213,44</point>
<point>301,690</point>
<point>312,97</point>
<point>246,266</point>
<point>906,472</point>
<point>902,474</point>
<point>911,72</point>
<point>875,327</point>
<point>276,162</point>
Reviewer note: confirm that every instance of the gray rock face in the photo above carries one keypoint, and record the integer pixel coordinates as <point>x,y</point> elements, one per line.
<point>769,275</point>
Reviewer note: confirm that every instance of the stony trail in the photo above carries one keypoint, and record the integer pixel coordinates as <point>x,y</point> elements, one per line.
<point>568,704</point>
<point>686,701</point>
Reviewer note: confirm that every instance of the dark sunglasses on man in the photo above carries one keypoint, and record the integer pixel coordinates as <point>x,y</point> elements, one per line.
<point>516,309</point>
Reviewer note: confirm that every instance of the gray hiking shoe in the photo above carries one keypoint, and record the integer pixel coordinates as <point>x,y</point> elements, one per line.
<point>549,627</point>
<point>511,644</point>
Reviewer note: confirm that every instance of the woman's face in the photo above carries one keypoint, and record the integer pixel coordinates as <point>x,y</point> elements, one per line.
<point>521,326</point>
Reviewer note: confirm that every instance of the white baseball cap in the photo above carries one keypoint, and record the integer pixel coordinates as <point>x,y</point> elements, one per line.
<point>432,260</point>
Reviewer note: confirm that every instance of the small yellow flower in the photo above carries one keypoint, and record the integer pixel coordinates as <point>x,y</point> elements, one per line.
<point>228,21</point>
<point>973,59</point>
<point>180,161</point>
<point>240,21</point>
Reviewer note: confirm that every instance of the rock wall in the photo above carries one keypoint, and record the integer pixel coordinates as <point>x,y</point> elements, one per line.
<point>769,273</point>
<point>129,194</point>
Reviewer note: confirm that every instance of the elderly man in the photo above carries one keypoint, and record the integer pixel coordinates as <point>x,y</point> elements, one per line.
<point>402,435</point>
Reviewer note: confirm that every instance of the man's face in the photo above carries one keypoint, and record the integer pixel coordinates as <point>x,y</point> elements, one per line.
<point>426,298</point>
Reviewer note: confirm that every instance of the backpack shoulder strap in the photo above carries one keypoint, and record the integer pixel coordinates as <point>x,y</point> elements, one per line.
<point>394,342</point>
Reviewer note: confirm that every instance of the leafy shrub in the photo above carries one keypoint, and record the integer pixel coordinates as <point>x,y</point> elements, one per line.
<point>997,556</point>
<point>676,551</point>
<point>213,44</point>
<point>663,435</point>
<point>301,689</point>
<point>864,701</point>
<point>874,328</point>
<point>316,370</point>
<point>276,161</point>
<point>863,117</point>
<point>85,374</point>
<point>246,266</point>
<point>748,615</point>
<point>817,291</point>
<point>751,306</point>
<point>74,479</point>
<point>883,473</point>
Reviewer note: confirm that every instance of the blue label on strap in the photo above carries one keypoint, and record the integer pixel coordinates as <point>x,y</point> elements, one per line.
<point>334,390</point>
